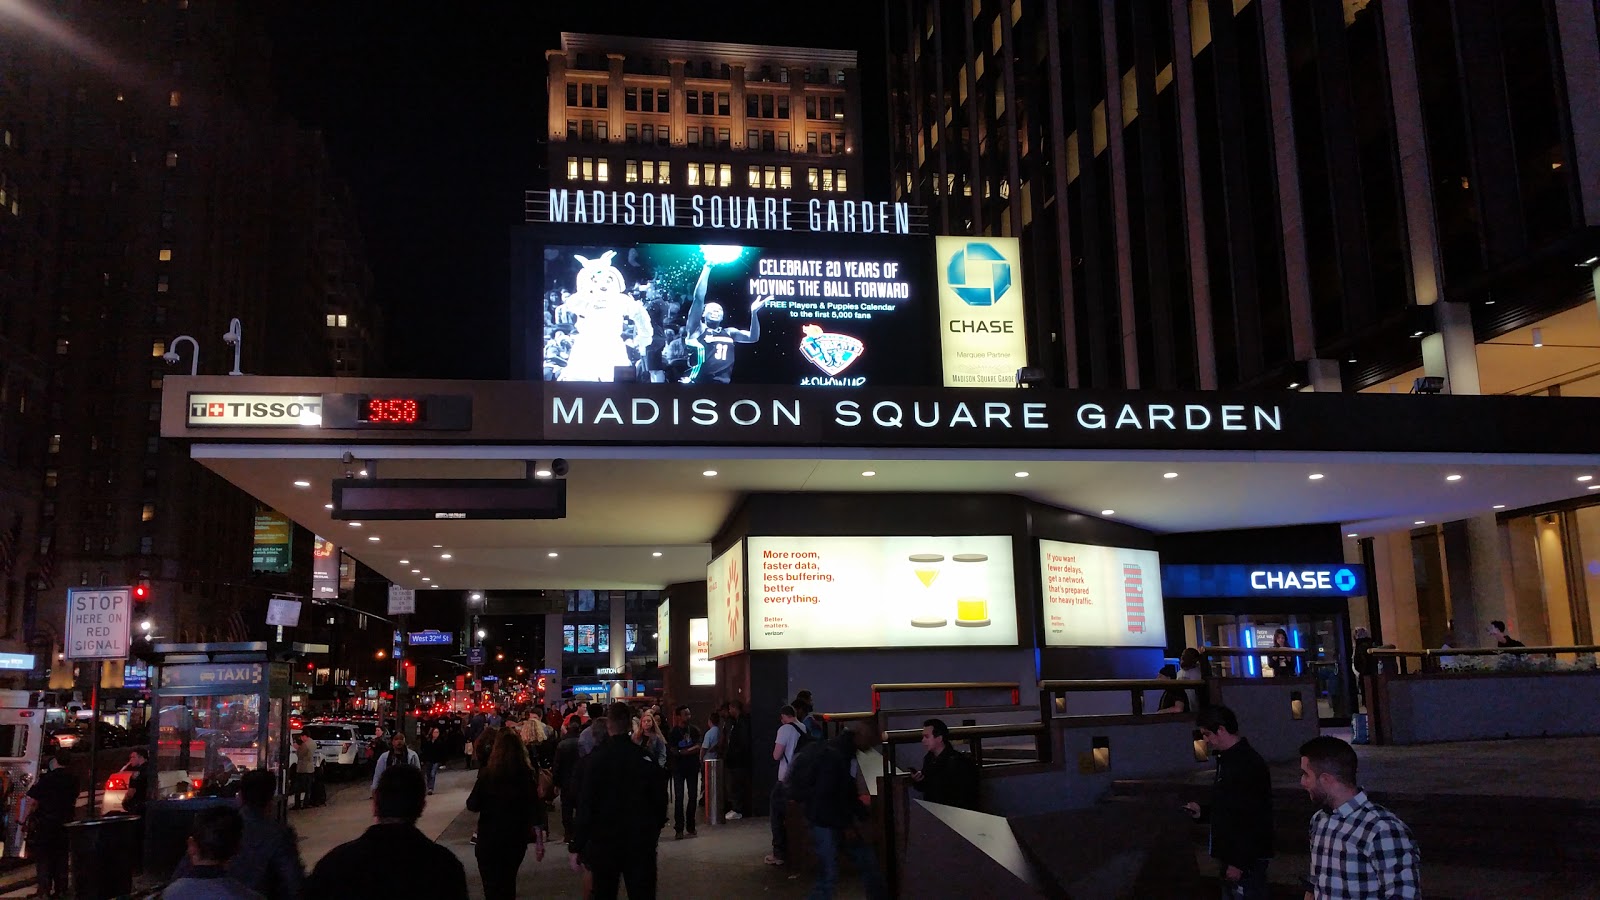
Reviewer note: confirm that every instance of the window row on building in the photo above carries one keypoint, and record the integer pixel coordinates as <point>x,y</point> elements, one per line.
<point>823,143</point>
<point>697,174</point>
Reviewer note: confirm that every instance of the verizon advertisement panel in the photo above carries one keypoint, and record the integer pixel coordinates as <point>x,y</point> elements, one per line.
<point>1101,596</point>
<point>830,592</point>
<point>702,671</point>
<point>725,602</point>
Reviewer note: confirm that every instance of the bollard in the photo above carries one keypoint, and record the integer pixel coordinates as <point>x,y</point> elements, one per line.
<point>104,853</point>
<point>712,779</point>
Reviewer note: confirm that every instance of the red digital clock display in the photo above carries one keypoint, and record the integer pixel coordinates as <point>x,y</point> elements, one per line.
<point>392,411</point>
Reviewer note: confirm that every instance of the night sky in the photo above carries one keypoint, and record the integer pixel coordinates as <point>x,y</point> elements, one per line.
<point>433,114</point>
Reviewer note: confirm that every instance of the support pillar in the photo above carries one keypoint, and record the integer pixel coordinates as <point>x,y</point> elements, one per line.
<point>1487,590</point>
<point>1451,352</point>
<point>619,632</point>
<point>552,656</point>
<point>1324,377</point>
<point>1397,582</point>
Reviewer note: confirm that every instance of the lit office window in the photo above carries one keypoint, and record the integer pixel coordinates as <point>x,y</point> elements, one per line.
<point>587,169</point>
<point>51,478</point>
<point>344,320</point>
<point>811,178</point>
<point>783,178</point>
<point>55,443</point>
<point>147,513</point>
<point>172,159</point>
<point>630,171</point>
<point>694,175</point>
<point>648,170</point>
<point>572,168</point>
<point>827,179</point>
<point>755,176</point>
<point>725,170</point>
<point>333,320</point>
<point>165,255</point>
<point>603,170</point>
<point>158,349</point>
<point>663,172</point>
<point>769,176</point>
<point>838,180</point>
<point>175,99</point>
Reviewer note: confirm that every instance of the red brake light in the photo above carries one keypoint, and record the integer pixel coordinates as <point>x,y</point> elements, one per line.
<point>117,782</point>
<point>198,783</point>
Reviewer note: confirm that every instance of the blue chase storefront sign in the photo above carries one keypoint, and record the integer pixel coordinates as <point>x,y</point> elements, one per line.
<point>1298,580</point>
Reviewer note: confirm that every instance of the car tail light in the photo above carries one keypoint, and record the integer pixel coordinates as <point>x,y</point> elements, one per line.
<point>117,782</point>
<point>197,783</point>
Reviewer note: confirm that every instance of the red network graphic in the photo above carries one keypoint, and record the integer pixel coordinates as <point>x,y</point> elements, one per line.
<point>735,599</point>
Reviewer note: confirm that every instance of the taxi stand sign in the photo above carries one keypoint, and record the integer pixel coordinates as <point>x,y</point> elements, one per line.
<point>99,623</point>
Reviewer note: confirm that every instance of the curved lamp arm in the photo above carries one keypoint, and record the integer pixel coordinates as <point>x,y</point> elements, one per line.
<point>171,356</point>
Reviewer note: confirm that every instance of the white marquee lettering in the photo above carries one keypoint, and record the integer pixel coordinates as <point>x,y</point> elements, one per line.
<point>1091,415</point>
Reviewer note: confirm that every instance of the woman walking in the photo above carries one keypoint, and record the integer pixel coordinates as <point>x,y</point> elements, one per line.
<point>510,815</point>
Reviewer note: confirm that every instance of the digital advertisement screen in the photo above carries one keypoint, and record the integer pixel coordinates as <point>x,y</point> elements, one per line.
<point>664,632</point>
<point>1101,596</point>
<point>585,638</point>
<point>702,671</point>
<point>568,638</point>
<point>829,592</point>
<point>725,601</point>
<point>837,314</point>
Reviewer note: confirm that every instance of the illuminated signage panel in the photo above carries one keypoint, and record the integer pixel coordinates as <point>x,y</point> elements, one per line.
<point>725,602</point>
<point>1264,580</point>
<point>1101,596</point>
<point>982,328</point>
<point>702,671</point>
<point>831,592</point>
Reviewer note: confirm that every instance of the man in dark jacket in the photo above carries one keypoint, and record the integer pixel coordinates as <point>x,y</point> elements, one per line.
<point>52,802</point>
<point>267,859</point>
<point>947,776</point>
<point>737,757</point>
<point>392,858</point>
<point>565,776</point>
<point>835,805</point>
<point>1240,812</point>
<point>621,807</point>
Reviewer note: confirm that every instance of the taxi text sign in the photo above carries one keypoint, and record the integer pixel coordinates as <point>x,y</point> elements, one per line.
<point>98,623</point>
<point>982,329</point>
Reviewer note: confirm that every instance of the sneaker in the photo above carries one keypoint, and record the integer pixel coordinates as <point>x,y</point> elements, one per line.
<point>732,816</point>
<point>693,833</point>
<point>677,835</point>
<point>474,839</point>
<point>772,860</point>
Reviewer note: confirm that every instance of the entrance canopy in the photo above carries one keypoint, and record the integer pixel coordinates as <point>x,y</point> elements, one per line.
<point>643,504</point>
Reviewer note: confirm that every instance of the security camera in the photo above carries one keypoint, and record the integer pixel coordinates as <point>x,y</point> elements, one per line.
<point>347,458</point>
<point>170,358</point>
<point>559,468</point>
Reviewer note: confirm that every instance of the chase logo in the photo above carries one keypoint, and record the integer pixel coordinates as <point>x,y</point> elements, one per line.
<point>1344,580</point>
<point>979,274</point>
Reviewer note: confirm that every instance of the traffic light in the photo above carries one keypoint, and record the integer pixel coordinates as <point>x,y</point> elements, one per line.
<point>141,593</point>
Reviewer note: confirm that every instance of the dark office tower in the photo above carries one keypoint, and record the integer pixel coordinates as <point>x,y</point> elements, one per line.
<point>635,114</point>
<point>1260,193</point>
<point>156,194</point>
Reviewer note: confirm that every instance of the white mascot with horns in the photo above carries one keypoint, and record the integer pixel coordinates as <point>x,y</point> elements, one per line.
<point>603,307</point>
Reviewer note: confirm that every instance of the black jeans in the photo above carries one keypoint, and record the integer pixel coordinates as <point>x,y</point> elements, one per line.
<point>497,866</point>
<point>738,796</point>
<point>48,846</point>
<point>637,870</point>
<point>1251,886</point>
<point>569,813</point>
<point>685,786</point>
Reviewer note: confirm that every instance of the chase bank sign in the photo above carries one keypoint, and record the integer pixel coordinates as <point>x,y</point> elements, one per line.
<point>1337,580</point>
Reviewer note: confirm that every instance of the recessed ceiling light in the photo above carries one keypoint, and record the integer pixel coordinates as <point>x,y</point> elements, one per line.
<point>438,546</point>
<point>1294,385</point>
<point>1020,474</point>
<point>327,506</point>
<point>710,473</point>
<point>657,553</point>
<point>355,524</point>
<point>1585,477</point>
<point>541,473</point>
<point>1452,477</point>
<point>1169,475</point>
<point>405,562</point>
<point>868,473</point>
<point>1108,512</point>
<point>416,571</point>
<point>1594,487</point>
<point>1419,522</point>
<point>1350,360</point>
<point>1499,506</point>
<point>444,556</point>
<point>1351,534</point>
<point>552,554</point>
<point>1315,476</point>
<point>302,483</point>
<point>374,538</point>
<point>426,578</point>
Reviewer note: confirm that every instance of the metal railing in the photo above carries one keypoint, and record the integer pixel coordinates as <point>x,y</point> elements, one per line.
<point>948,687</point>
<point>1429,661</point>
<point>1297,653</point>
<point>833,723</point>
<point>1053,694</point>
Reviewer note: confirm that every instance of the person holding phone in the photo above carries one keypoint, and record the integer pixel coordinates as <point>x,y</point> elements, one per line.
<point>1240,811</point>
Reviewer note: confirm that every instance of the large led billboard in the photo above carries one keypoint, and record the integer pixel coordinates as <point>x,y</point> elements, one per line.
<point>725,602</point>
<point>833,313</point>
<point>831,592</point>
<point>1101,596</point>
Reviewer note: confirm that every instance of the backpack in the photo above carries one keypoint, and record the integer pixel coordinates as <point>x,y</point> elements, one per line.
<point>810,755</point>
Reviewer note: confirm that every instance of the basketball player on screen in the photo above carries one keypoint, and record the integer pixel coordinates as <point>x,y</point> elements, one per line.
<point>713,341</point>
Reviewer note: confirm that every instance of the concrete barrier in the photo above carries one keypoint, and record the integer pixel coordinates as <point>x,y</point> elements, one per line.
<point>1420,709</point>
<point>1090,752</point>
<point>1276,714</point>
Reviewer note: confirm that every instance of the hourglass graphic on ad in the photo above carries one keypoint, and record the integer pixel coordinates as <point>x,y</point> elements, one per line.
<point>970,576</point>
<point>928,612</point>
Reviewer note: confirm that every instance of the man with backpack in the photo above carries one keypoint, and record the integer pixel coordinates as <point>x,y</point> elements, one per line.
<point>791,739</point>
<point>826,778</point>
<point>947,776</point>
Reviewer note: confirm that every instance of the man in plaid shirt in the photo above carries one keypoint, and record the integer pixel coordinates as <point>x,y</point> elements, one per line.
<point>1359,849</point>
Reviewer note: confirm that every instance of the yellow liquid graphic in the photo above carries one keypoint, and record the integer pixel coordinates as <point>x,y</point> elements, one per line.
<point>972,611</point>
<point>927,576</point>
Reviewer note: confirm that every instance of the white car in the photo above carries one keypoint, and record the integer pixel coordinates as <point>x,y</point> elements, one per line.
<point>340,746</point>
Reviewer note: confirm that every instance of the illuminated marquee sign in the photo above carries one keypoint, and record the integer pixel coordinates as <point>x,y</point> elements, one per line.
<point>1336,580</point>
<point>666,209</point>
<point>982,327</point>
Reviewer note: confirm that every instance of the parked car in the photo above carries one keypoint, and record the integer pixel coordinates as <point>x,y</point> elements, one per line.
<point>340,746</point>
<point>65,737</point>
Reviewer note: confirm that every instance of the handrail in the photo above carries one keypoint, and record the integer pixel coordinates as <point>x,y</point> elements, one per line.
<point>1486,651</point>
<point>847,716</point>
<point>1085,685</point>
<point>960,732</point>
<point>944,686</point>
<point>949,688</point>
<point>1254,651</point>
